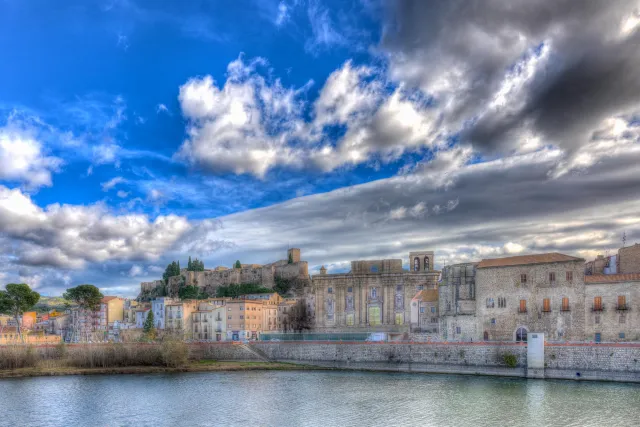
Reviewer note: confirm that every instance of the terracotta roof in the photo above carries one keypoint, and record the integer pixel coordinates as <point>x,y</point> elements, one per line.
<point>108,298</point>
<point>612,278</point>
<point>427,295</point>
<point>527,259</point>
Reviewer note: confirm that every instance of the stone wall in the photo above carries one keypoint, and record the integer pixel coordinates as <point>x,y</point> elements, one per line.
<point>580,362</point>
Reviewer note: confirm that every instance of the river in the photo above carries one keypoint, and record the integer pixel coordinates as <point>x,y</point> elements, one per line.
<point>314,398</point>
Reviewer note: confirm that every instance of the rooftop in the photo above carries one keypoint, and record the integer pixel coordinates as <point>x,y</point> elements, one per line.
<point>108,298</point>
<point>612,278</point>
<point>526,260</point>
<point>427,295</point>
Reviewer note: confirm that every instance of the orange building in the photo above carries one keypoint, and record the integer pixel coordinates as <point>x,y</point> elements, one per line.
<point>29,320</point>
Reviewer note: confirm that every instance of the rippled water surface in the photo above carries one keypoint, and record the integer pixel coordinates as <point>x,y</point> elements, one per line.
<point>315,399</point>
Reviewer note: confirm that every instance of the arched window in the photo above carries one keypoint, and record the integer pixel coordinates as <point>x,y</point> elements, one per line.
<point>374,292</point>
<point>521,335</point>
<point>426,264</point>
<point>416,264</point>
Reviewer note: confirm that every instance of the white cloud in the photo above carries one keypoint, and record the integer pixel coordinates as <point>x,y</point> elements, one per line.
<point>122,194</point>
<point>107,153</point>
<point>22,158</point>
<point>161,108</point>
<point>136,271</point>
<point>106,186</point>
<point>283,14</point>
<point>68,236</point>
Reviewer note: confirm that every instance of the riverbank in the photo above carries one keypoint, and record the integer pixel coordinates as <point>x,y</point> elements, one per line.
<point>199,366</point>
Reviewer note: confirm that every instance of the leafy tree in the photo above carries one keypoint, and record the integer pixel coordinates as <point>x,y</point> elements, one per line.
<point>238,265</point>
<point>172,269</point>
<point>290,258</point>
<point>282,286</point>
<point>195,265</point>
<point>149,327</point>
<point>234,291</point>
<point>300,317</point>
<point>16,299</point>
<point>189,292</point>
<point>87,297</point>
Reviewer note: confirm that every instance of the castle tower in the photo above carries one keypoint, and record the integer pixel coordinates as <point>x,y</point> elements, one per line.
<point>323,270</point>
<point>293,254</point>
<point>421,261</point>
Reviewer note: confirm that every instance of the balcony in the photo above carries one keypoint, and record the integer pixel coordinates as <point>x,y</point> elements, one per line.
<point>565,309</point>
<point>597,307</point>
<point>622,307</point>
<point>546,310</point>
<point>522,310</point>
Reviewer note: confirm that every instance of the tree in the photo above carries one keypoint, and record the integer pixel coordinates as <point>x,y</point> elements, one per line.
<point>195,265</point>
<point>189,292</point>
<point>300,317</point>
<point>172,269</point>
<point>16,299</point>
<point>189,264</point>
<point>87,297</point>
<point>238,265</point>
<point>290,258</point>
<point>149,327</point>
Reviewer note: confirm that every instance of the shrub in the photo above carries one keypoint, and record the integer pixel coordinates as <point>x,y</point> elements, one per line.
<point>174,353</point>
<point>17,356</point>
<point>510,360</point>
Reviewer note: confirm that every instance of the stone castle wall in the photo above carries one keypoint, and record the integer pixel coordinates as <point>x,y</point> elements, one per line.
<point>629,259</point>
<point>612,321</point>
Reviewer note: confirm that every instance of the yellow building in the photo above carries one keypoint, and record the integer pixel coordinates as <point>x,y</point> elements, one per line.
<point>245,319</point>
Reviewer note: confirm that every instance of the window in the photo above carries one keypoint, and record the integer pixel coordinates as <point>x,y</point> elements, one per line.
<point>229,309</point>
<point>419,287</point>
<point>427,267</point>
<point>374,269</point>
<point>229,317</point>
<point>523,279</point>
<point>502,302</point>
<point>330,290</point>
<point>434,320</point>
<point>374,293</point>
<point>433,309</point>
<point>552,277</point>
<point>597,304</point>
<point>523,306</point>
<point>416,264</point>
<point>521,334</point>
<point>569,276</point>
<point>241,308</point>
<point>622,319</point>
<point>421,309</point>
<point>493,321</point>
<point>399,288</point>
<point>241,317</point>
<point>597,319</point>
<point>621,335</point>
<point>622,302</point>
<point>490,303</point>
<point>349,289</point>
<point>546,305</point>
<point>350,319</point>
<point>458,330</point>
<point>399,318</point>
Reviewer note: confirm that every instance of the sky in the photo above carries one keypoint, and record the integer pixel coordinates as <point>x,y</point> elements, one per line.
<point>134,133</point>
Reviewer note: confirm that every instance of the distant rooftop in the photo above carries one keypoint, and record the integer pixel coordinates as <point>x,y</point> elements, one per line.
<point>526,260</point>
<point>612,278</point>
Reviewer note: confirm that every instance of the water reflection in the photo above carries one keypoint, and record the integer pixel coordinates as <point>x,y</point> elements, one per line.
<point>313,399</point>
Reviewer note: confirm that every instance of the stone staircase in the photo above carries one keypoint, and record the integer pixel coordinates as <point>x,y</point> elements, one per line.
<point>256,352</point>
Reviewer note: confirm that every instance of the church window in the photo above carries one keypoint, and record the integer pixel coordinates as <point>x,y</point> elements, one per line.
<point>374,292</point>
<point>416,264</point>
<point>399,288</point>
<point>421,309</point>
<point>349,289</point>
<point>426,264</point>
<point>330,290</point>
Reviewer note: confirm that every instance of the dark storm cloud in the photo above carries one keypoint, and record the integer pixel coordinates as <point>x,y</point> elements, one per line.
<point>593,71</point>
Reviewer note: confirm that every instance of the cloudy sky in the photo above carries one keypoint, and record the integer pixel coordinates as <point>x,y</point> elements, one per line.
<point>133,133</point>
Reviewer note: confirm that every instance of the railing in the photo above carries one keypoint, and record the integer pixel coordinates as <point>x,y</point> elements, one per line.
<point>565,309</point>
<point>622,307</point>
<point>522,310</point>
<point>597,307</point>
<point>546,310</point>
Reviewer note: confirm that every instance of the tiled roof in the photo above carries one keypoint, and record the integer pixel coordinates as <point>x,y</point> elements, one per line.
<point>427,295</point>
<point>527,259</point>
<point>612,278</point>
<point>108,298</point>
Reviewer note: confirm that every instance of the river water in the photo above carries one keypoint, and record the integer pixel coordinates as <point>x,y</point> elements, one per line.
<point>336,398</point>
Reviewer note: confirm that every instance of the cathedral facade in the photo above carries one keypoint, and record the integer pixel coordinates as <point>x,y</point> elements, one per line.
<point>376,295</point>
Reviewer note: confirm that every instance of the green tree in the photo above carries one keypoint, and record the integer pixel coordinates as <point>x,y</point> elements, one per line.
<point>16,299</point>
<point>195,265</point>
<point>189,292</point>
<point>238,265</point>
<point>290,258</point>
<point>172,269</point>
<point>87,297</point>
<point>149,327</point>
<point>189,264</point>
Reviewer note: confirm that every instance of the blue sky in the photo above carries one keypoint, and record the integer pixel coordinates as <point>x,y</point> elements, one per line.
<point>137,132</point>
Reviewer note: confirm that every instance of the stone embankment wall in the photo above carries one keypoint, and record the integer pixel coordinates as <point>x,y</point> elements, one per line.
<point>609,362</point>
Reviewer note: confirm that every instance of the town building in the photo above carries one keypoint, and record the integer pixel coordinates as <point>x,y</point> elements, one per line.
<point>158,308</point>
<point>457,302</point>
<point>111,310</point>
<point>374,296</point>
<point>178,318</point>
<point>424,312</point>
<point>245,319</point>
<point>611,310</point>
<point>520,294</point>
<point>141,316</point>
<point>209,322</point>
